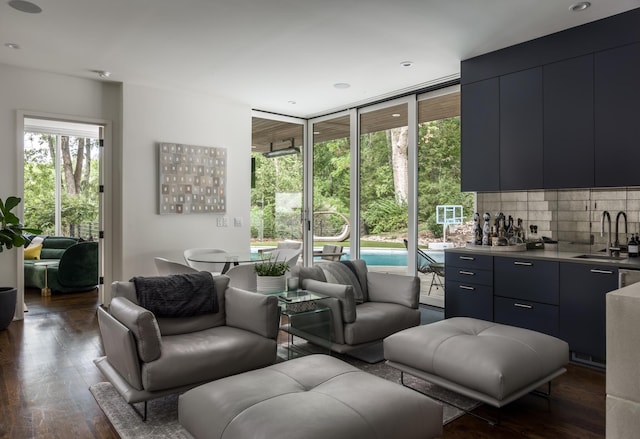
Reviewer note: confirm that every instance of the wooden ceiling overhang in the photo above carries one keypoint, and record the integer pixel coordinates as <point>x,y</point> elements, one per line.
<point>274,134</point>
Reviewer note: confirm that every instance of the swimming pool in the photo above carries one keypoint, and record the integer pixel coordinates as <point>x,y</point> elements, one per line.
<point>390,257</point>
<point>385,256</point>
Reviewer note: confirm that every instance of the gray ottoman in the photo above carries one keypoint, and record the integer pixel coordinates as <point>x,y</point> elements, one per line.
<point>486,361</point>
<point>313,397</point>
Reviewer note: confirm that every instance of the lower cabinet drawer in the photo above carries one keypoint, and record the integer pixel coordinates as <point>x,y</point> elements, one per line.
<point>468,300</point>
<point>469,275</point>
<point>530,315</point>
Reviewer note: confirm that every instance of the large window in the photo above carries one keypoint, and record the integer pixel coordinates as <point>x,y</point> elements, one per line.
<point>331,184</point>
<point>276,181</point>
<point>61,178</point>
<point>439,166</point>
<point>384,186</point>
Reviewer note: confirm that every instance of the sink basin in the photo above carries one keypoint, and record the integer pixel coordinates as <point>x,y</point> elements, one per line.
<point>601,257</point>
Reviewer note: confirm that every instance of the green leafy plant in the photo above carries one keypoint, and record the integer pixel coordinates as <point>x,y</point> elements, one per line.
<point>12,232</point>
<point>268,267</point>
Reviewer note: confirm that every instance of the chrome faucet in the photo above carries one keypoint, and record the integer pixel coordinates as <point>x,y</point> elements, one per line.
<point>606,213</point>
<point>617,242</point>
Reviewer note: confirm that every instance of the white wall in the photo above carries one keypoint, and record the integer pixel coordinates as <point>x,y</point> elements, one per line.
<point>141,117</point>
<point>151,116</point>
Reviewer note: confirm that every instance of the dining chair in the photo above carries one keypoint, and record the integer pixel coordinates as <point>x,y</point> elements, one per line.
<point>428,265</point>
<point>243,276</point>
<point>214,267</point>
<point>166,267</point>
<point>290,255</point>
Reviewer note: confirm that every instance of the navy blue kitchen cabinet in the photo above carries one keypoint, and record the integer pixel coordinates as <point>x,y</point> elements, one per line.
<point>583,289</point>
<point>521,130</point>
<point>480,134</point>
<point>468,286</point>
<point>617,116</point>
<point>568,124</point>
<point>527,293</point>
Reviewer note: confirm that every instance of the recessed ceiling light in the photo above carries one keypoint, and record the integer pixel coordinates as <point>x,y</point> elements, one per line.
<point>12,46</point>
<point>292,102</point>
<point>341,85</point>
<point>579,6</point>
<point>406,63</point>
<point>395,115</point>
<point>25,6</point>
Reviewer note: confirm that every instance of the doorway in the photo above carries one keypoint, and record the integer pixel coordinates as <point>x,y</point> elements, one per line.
<point>63,191</point>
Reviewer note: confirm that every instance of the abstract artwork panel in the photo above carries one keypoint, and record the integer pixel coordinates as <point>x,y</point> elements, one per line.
<point>193,179</point>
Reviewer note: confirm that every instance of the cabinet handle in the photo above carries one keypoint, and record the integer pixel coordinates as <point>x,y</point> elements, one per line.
<point>467,258</point>
<point>593,270</point>
<point>522,305</point>
<point>467,273</point>
<point>527,264</point>
<point>465,287</point>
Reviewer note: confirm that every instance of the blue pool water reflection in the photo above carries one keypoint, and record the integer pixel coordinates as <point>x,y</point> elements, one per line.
<point>383,256</point>
<point>390,257</point>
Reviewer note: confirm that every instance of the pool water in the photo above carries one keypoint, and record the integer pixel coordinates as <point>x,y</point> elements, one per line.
<point>390,257</point>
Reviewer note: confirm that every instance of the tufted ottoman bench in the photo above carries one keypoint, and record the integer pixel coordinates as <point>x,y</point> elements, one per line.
<point>486,361</point>
<point>312,397</point>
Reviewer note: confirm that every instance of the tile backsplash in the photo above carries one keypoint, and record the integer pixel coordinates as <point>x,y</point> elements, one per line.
<point>572,217</point>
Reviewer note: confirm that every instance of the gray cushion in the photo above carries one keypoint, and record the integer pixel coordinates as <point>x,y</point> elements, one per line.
<point>338,273</point>
<point>377,320</point>
<point>486,357</point>
<point>205,356</point>
<point>313,397</point>
<point>303,273</point>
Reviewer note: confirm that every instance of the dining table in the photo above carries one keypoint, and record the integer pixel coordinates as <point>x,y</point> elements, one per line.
<point>227,258</point>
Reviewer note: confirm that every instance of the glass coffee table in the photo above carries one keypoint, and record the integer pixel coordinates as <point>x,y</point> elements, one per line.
<point>307,318</point>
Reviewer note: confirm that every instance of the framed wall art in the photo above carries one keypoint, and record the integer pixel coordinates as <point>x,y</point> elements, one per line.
<point>193,179</point>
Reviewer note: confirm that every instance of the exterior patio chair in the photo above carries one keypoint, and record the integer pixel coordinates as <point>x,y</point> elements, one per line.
<point>331,252</point>
<point>428,265</point>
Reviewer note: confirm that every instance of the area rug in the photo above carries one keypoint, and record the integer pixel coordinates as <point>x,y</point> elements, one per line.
<point>162,418</point>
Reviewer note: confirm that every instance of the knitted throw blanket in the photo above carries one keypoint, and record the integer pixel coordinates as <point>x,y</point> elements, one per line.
<point>177,295</point>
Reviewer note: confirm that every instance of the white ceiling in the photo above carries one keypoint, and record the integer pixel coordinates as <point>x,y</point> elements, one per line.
<point>266,53</point>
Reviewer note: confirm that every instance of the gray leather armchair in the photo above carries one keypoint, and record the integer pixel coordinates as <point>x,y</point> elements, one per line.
<point>365,306</point>
<point>148,356</point>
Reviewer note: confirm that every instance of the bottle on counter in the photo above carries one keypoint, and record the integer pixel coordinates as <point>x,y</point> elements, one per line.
<point>633,246</point>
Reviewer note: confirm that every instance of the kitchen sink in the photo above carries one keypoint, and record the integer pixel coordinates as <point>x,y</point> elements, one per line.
<point>601,257</point>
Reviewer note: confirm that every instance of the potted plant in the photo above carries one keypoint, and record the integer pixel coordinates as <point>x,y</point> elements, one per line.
<point>12,234</point>
<point>271,275</point>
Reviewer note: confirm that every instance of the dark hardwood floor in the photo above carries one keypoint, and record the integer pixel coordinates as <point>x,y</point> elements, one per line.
<point>46,367</point>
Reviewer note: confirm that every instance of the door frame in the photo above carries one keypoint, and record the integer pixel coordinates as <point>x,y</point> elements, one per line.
<point>105,240</point>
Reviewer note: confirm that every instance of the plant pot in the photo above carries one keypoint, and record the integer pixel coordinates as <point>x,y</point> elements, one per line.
<point>7,306</point>
<point>270,284</point>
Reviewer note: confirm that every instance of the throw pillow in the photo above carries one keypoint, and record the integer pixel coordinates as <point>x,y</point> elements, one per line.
<point>32,252</point>
<point>337,273</point>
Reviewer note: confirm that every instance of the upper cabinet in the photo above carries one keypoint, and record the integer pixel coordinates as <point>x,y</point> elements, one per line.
<point>568,124</point>
<point>568,112</point>
<point>520,113</point>
<point>617,116</point>
<point>481,136</point>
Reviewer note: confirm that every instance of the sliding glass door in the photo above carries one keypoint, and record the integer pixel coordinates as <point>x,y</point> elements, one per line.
<point>332,228</point>
<point>276,180</point>
<point>385,138</point>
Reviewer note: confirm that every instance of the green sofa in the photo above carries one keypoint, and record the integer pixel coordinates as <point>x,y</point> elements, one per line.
<point>76,270</point>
